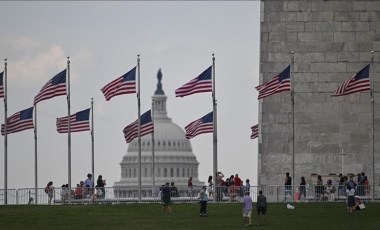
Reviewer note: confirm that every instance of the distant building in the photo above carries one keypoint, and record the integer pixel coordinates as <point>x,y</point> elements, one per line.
<point>174,158</point>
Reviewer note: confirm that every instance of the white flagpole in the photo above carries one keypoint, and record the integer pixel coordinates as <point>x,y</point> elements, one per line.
<point>35,152</point>
<point>68,125</point>
<point>139,125</point>
<point>215,133</point>
<point>373,126</point>
<point>92,138</point>
<point>292,95</point>
<point>153,153</point>
<point>5,135</point>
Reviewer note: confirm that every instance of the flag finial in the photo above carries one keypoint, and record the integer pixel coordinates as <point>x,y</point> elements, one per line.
<point>68,59</point>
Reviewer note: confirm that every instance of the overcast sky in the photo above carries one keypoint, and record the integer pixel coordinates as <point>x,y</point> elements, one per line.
<point>103,40</point>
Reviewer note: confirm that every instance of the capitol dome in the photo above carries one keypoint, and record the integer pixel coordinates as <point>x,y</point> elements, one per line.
<point>174,160</point>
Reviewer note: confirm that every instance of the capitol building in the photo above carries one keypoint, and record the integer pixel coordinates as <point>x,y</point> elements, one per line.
<point>173,156</point>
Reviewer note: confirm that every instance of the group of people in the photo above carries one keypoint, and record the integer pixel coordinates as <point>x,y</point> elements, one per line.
<point>233,186</point>
<point>361,185</point>
<point>248,207</point>
<point>85,189</point>
<point>354,190</point>
<point>168,190</point>
<point>328,191</point>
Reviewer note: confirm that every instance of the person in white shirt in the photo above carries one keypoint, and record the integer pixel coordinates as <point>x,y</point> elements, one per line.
<point>350,193</point>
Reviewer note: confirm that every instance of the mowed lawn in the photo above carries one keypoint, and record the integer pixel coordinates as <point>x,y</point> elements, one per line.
<point>186,216</point>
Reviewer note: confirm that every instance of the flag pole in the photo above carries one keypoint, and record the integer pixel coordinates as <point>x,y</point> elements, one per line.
<point>139,125</point>
<point>292,95</point>
<point>215,134</point>
<point>5,135</point>
<point>92,138</point>
<point>69,125</point>
<point>35,151</point>
<point>153,153</point>
<point>373,126</point>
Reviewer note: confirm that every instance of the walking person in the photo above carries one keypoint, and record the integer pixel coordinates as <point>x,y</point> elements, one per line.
<point>203,201</point>
<point>49,190</point>
<point>247,209</point>
<point>261,208</point>
<point>165,197</point>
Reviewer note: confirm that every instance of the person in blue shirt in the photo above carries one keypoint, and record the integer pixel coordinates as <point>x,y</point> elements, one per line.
<point>247,186</point>
<point>203,201</point>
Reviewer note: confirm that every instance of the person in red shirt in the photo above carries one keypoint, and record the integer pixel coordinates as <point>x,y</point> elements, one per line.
<point>238,183</point>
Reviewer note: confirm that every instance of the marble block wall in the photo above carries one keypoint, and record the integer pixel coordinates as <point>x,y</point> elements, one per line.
<point>331,40</point>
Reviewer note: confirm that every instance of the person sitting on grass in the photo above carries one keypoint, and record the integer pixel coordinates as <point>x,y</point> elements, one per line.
<point>358,204</point>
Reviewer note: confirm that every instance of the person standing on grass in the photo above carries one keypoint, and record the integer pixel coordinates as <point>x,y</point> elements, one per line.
<point>261,208</point>
<point>210,187</point>
<point>190,186</point>
<point>350,193</point>
<point>203,201</point>
<point>165,196</point>
<point>288,185</point>
<point>49,190</point>
<point>89,184</point>
<point>247,209</point>
<point>302,188</point>
<point>100,183</point>
<point>247,185</point>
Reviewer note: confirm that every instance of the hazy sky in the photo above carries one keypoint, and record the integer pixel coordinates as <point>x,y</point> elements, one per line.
<point>103,40</point>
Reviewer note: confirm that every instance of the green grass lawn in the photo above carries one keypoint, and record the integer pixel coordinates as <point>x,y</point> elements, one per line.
<point>186,216</point>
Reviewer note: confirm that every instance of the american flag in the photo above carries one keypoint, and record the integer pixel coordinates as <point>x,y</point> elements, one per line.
<point>279,83</point>
<point>202,125</point>
<point>357,83</point>
<point>123,85</point>
<point>19,121</point>
<point>200,84</point>
<point>1,84</point>
<point>146,127</point>
<point>78,122</point>
<point>255,131</point>
<point>54,87</point>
